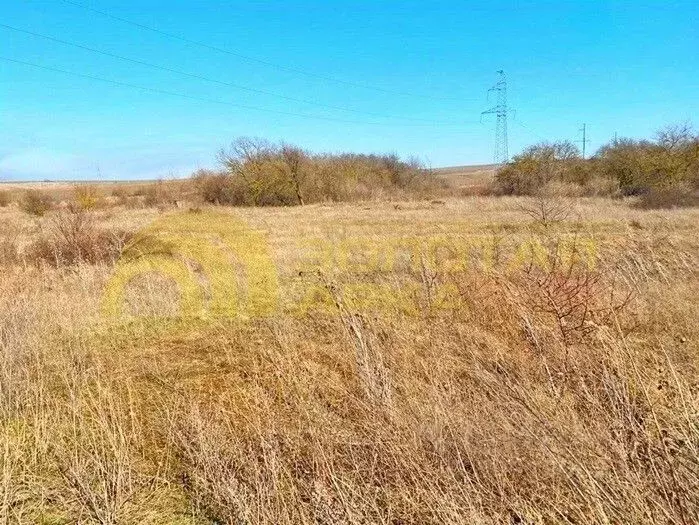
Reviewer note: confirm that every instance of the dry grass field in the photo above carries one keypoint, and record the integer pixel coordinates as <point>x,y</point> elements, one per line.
<point>61,190</point>
<point>468,179</point>
<point>449,361</point>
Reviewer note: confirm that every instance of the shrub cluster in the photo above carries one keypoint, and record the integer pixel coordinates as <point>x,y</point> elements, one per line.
<point>680,196</point>
<point>87,196</point>
<point>143,195</point>
<point>663,171</point>
<point>71,237</point>
<point>257,173</point>
<point>36,202</point>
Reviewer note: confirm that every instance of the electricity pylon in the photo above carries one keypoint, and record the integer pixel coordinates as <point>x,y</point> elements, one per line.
<point>500,110</point>
<point>584,141</point>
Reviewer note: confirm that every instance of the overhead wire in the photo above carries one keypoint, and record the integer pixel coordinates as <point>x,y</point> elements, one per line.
<point>252,59</point>
<point>194,97</point>
<point>224,83</point>
<point>523,125</point>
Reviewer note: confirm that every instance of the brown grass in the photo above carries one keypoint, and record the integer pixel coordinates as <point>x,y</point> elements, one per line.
<point>104,194</point>
<point>549,391</point>
<point>71,237</point>
<point>669,198</point>
<point>5,198</point>
<point>36,202</point>
<point>469,180</point>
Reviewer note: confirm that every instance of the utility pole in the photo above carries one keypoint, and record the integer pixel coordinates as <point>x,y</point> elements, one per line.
<point>500,110</point>
<point>584,140</point>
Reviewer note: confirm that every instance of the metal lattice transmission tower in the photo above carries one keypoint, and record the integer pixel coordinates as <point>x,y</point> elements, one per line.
<point>501,111</point>
<point>584,140</point>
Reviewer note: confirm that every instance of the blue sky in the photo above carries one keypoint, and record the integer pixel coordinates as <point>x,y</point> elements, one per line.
<point>625,67</point>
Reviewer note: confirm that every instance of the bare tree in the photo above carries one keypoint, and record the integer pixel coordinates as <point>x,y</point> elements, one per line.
<point>547,209</point>
<point>675,136</point>
<point>293,160</point>
<point>246,156</point>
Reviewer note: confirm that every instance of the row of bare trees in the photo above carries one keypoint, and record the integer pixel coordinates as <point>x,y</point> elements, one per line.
<point>258,173</point>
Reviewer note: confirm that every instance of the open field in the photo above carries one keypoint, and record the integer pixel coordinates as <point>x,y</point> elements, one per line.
<point>64,191</point>
<point>468,177</point>
<point>447,361</point>
<point>63,188</point>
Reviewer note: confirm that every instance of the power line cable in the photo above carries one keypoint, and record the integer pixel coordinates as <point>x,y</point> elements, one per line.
<point>520,123</point>
<point>223,83</point>
<point>251,59</point>
<point>192,97</point>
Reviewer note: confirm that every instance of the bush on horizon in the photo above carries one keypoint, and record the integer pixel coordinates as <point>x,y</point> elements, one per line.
<point>259,173</point>
<point>667,165</point>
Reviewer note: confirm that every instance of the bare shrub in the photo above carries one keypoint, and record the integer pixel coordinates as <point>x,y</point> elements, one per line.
<point>570,288</point>
<point>536,167</point>
<point>71,237</point>
<point>641,165</point>
<point>547,209</point>
<point>219,188</point>
<point>157,194</point>
<point>625,166</point>
<point>35,202</point>
<point>86,196</point>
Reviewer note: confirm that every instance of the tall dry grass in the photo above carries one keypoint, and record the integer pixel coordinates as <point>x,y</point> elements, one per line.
<point>543,393</point>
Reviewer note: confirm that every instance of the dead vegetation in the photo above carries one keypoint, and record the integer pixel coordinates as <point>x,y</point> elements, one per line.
<point>35,202</point>
<point>258,173</point>
<point>72,237</point>
<point>663,173</point>
<point>5,199</point>
<point>560,389</point>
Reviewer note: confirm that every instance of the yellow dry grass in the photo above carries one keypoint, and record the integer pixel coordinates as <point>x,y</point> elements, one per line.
<point>468,178</point>
<point>544,391</point>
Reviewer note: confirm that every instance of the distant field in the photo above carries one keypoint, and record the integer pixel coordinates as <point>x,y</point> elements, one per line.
<point>57,185</point>
<point>460,177</point>
<point>468,177</point>
<point>64,190</point>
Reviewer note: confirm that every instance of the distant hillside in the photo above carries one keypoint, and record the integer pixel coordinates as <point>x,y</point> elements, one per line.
<point>468,176</point>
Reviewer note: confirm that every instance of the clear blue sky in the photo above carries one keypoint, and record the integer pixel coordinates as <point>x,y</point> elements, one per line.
<point>619,66</point>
